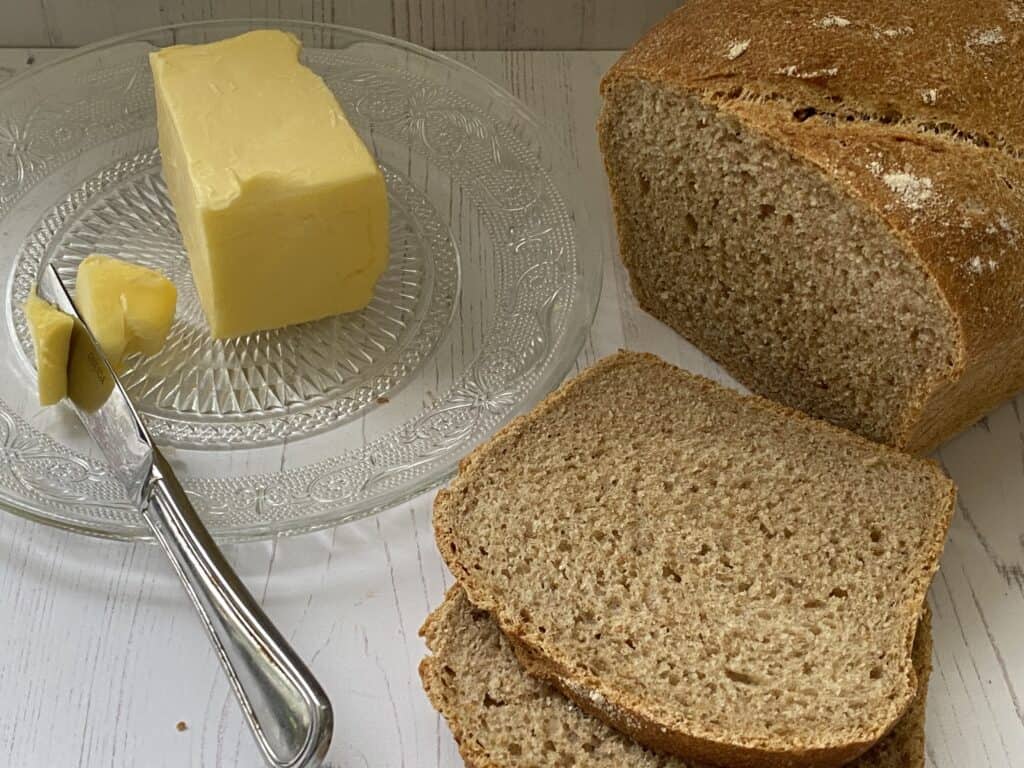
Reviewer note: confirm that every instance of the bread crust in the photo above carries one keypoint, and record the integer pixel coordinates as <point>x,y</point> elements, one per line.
<point>628,713</point>
<point>867,94</point>
<point>649,733</point>
<point>472,756</point>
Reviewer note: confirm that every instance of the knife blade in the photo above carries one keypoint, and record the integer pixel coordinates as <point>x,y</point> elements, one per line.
<point>284,705</point>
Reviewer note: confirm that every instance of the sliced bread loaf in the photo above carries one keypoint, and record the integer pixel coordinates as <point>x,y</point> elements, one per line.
<point>825,196</point>
<point>717,576</point>
<point>504,718</point>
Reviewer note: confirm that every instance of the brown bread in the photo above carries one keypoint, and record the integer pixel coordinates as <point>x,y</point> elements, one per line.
<point>504,718</point>
<point>827,197</point>
<point>717,576</point>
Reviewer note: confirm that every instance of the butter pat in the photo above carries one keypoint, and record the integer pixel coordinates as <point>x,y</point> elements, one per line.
<point>51,336</point>
<point>128,308</point>
<point>282,208</point>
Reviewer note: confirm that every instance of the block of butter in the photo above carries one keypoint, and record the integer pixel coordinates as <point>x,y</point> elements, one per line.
<point>51,336</point>
<point>282,208</point>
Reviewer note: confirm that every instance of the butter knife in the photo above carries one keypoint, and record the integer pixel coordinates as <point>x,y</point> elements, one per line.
<point>287,710</point>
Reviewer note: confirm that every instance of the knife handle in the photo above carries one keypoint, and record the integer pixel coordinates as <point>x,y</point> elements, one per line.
<point>287,710</point>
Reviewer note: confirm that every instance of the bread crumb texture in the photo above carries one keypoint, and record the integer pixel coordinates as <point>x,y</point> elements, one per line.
<point>706,570</point>
<point>857,153</point>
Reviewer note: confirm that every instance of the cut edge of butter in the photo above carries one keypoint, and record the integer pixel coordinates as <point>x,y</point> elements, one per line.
<point>129,308</point>
<point>51,337</point>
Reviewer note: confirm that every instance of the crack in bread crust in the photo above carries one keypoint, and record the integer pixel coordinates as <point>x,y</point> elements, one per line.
<point>828,111</point>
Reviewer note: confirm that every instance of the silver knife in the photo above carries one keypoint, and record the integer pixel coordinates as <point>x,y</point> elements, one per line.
<point>286,708</point>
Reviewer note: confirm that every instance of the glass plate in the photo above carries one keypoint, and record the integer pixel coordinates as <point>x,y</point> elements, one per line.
<point>485,305</point>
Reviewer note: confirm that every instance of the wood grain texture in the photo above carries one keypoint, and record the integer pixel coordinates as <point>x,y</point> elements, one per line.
<point>440,24</point>
<point>103,656</point>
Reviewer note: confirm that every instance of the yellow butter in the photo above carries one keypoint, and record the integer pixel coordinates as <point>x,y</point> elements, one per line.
<point>282,209</point>
<point>128,308</point>
<point>51,336</point>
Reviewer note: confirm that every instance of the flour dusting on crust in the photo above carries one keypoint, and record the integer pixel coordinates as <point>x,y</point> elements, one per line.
<point>983,38</point>
<point>977,265</point>
<point>598,702</point>
<point>892,32</point>
<point>815,74</point>
<point>833,21</point>
<point>737,49</point>
<point>913,190</point>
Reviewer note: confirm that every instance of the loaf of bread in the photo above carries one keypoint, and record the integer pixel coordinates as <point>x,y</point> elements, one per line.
<point>827,197</point>
<point>502,717</point>
<point>717,576</point>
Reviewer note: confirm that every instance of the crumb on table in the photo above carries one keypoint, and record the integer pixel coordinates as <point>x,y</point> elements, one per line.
<point>182,725</point>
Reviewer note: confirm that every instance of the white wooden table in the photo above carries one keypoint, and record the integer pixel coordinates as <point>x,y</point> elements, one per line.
<point>102,657</point>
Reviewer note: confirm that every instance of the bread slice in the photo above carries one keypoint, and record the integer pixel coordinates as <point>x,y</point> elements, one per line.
<point>717,576</point>
<point>502,717</point>
<point>825,197</point>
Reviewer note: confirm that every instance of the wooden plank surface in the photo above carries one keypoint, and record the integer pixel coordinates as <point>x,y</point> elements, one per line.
<point>451,24</point>
<point>103,656</point>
